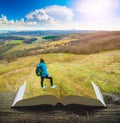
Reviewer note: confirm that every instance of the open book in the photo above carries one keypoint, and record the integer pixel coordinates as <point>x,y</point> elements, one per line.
<point>52,100</point>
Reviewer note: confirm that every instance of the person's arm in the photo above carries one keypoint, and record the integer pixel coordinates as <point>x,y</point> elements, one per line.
<point>39,65</point>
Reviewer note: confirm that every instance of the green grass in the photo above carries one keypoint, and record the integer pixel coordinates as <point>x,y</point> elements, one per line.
<point>50,37</point>
<point>16,42</point>
<point>71,73</point>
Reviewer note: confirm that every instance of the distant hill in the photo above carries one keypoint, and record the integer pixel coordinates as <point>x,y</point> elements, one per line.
<point>74,60</point>
<point>90,43</point>
<point>45,32</point>
<point>13,45</point>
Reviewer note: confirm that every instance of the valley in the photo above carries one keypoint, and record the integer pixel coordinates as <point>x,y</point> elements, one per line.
<point>74,60</point>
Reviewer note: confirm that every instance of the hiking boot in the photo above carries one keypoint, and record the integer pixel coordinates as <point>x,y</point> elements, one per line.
<point>54,86</point>
<point>43,87</point>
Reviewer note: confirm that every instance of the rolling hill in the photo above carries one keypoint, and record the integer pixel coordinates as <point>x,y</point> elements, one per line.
<point>73,60</point>
<point>72,73</point>
<point>12,47</point>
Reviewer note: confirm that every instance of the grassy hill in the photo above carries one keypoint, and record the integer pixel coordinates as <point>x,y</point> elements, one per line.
<point>72,73</point>
<point>87,43</point>
<point>83,43</point>
<point>73,60</point>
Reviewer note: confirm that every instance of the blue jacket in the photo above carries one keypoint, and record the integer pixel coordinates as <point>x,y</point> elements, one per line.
<point>43,69</point>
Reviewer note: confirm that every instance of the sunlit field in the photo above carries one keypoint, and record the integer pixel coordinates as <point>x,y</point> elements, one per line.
<point>71,73</point>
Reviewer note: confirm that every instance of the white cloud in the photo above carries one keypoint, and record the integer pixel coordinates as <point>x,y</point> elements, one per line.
<point>39,17</point>
<point>52,15</point>
<point>6,24</point>
<point>3,20</point>
<point>96,9</point>
<point>21,22</point>
<point>11,22</point>
<point>60,13</point>
<point>86,14</point>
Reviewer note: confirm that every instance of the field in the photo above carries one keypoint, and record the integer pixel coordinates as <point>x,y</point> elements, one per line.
<point>74,61</point>
<point>72,73</point>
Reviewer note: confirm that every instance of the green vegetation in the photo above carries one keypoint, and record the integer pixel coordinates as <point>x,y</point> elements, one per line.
<point>72,74</point>
<point>15,42</point>
<point>88,43</point>
<point>51,37</point>
<point>9,37</point>
<point>30,41</point>
<point>73,60</point>
<point>73,43</point>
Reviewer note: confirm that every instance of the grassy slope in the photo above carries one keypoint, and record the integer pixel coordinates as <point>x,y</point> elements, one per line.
<point>88,43</point>
<point>73,43</point>
<point>72,73</point>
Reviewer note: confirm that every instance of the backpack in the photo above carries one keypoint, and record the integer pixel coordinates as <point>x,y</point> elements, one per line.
<point>38,71</point>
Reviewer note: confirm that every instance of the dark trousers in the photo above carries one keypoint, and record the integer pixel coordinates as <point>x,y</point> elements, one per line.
<point>48,77</point>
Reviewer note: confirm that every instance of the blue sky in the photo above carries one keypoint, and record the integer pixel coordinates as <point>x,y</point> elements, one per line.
<point>17,9</point>
<point>59,14</point>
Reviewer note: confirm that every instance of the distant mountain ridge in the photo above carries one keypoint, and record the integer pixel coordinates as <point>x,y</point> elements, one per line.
<point>43,32</point>
<point>26,43</point>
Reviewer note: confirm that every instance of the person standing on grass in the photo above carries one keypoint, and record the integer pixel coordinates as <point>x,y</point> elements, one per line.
<point>44,74</point>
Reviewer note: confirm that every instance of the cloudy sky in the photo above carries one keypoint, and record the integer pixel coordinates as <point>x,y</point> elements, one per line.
<point>59,14</point>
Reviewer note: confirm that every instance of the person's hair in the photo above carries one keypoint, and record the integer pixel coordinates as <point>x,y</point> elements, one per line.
<point>41,60</point>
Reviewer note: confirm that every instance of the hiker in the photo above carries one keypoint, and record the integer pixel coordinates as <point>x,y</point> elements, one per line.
<point>44,74</point>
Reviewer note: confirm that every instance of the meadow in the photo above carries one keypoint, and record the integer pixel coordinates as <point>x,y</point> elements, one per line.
<point>72,73</point>
<point>73,60</point>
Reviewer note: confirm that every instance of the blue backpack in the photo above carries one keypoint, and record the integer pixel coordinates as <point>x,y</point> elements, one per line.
<point>38,71</point>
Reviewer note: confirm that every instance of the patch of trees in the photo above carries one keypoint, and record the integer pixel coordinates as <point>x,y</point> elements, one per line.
<point>9,57</point>
<point>11,38</point>
<point>12,56</point>
<point>29,41</point>
<point>25,40</point>
<point>6,47</point>
<point>51,37</point>
<point>1,43</point>
<point>88,46</point>
<point>46,32</point>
